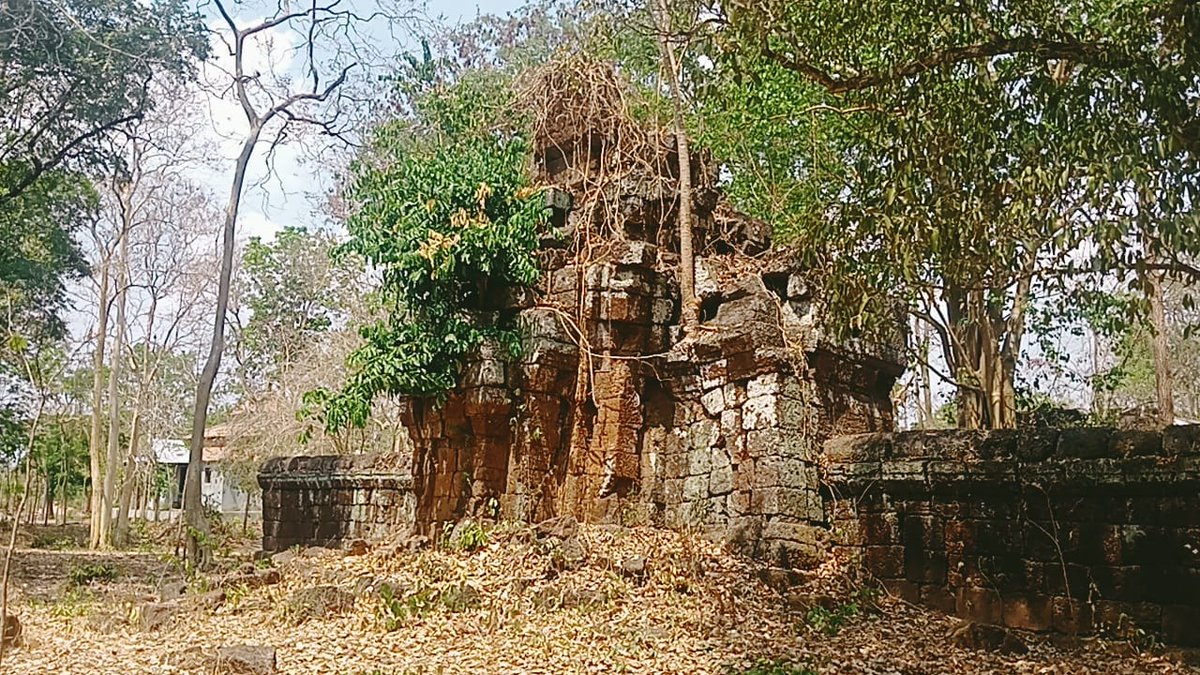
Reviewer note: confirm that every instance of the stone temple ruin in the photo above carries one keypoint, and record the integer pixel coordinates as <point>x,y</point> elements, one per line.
<point>611,416</point>
<point>608,415</point>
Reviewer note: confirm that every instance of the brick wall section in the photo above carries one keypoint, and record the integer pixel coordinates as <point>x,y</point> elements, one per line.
<point>326,500</point>
<point>1072,531</point>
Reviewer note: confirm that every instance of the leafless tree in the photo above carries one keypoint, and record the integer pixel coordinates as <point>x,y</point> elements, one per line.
<point>335,46</point>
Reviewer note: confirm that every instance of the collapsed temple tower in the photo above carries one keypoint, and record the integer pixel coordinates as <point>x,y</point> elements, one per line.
<point>610,413</point>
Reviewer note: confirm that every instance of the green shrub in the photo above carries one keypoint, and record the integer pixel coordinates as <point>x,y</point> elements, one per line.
<point>85,574</point>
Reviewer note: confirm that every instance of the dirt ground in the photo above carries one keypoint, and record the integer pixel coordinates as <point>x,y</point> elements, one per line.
<point>605,600</point>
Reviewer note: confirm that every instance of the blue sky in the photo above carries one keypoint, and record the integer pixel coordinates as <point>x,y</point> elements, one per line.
<point>290,192</point>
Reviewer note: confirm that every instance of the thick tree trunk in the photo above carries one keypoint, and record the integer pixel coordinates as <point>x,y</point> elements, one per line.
<point>197,550</point>
<point>982,361</point>
<point>94,446</point>
<point>1164,387</point>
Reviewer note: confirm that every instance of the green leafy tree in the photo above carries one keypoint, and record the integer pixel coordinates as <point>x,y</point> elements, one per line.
<point>291,290</point>
<point>442,207</point>
<point>38,255</point>
<point>973,159</point>
<point>78,71</point>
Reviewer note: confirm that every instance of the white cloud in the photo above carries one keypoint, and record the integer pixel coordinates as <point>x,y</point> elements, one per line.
<point>256,224</point>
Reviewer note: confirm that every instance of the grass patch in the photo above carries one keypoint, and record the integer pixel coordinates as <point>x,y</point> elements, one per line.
<point>89,573</point>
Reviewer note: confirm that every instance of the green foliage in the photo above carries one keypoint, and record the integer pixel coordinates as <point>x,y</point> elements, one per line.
<point>295,289</point>
<point>73,602</point>
<point>78,70</point>
<point>443,208</point>
<point>978,157</point>
<point>830,621</point>
<point>38,255</point>
<point>61,455</point>
<point>470,537</point>
<point>397,607</point>
<point>87,573</point>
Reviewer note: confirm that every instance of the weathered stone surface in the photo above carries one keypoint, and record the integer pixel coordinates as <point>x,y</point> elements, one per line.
<point>247,659</point>
<point>209,600</point>
<point>559,527</point>
<point>609,411</point>
<point>634,566</point>
<point>254,578</point>
<point>155,615</point>
<point>987,637</point>
<point>171,590</point>
<point>1067,531</point>
<point>317,602</point>
<point>569,553</point>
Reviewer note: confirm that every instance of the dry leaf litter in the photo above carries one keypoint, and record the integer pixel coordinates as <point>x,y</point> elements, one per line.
<point>519,604</point>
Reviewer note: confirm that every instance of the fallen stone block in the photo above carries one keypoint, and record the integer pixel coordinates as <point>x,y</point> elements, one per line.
<point>155,615</point>
<point>248,659</point>
<point>987,637</point>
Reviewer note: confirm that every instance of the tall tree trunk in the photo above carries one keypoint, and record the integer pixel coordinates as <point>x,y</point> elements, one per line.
<point>113,456</point>
<point>1164,387</point>
<point>197,550</point>
<point>94,446</point>
<point>982,361</point>
<point>12,535</point>
<point>121,534</point>
<point>48,498</point>
<point>689,309</point>
<point>246,513</point>
<point>926,397</point>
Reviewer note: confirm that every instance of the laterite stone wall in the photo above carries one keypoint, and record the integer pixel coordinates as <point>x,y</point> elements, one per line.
<point>1076,531</point>
<point>323,501</point>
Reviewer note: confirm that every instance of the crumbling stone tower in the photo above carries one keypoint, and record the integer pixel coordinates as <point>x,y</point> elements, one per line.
<point>611,413</point>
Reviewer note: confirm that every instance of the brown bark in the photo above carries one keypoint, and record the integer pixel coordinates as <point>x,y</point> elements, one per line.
<point>121,533</point>
<point>925,413</point>
<point>114,408</point>
<point>689,310</point>
<point>193,508</point>
<point>12,535</point>
<point>983,360</point>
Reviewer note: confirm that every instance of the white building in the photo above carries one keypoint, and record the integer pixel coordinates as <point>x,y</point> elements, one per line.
<point>215,490</point>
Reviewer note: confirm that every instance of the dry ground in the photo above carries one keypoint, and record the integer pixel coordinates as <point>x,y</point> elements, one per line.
<point>517,605</point>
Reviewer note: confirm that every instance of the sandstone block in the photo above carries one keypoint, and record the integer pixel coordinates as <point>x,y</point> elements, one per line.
<point>248,659</point>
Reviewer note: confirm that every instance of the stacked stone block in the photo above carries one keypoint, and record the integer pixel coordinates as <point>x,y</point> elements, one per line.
<point>1078,530</point>
<point>325,501</point>
<point>611,413</point>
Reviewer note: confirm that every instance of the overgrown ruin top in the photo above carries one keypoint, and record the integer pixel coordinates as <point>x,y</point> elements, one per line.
<point>611,412</point>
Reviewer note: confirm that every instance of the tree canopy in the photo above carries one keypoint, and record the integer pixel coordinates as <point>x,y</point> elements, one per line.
<point>974,159</point>
<point>74,72</point>
<point>443,208</point>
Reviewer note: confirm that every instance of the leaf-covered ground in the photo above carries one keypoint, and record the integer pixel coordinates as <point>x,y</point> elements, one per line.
<point>519,604</point>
